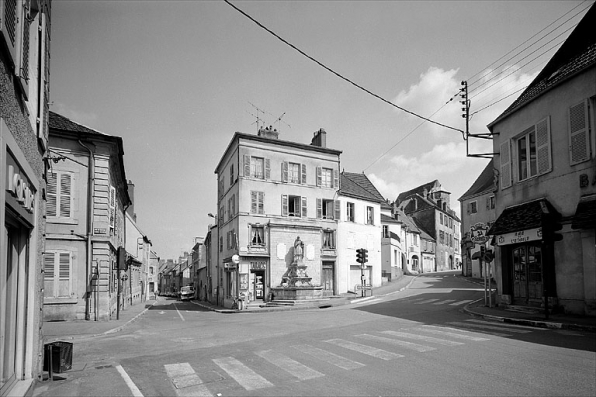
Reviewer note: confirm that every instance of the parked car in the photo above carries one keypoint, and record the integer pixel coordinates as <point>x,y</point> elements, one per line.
<point>187,293</point>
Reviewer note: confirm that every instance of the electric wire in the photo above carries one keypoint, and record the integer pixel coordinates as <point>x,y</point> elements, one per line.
<point>338,74</point>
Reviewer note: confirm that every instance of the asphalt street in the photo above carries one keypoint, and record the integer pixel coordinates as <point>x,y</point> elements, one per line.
<point>413,342</point>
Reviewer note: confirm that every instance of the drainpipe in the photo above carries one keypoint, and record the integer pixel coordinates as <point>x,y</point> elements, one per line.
<point>90,190</point>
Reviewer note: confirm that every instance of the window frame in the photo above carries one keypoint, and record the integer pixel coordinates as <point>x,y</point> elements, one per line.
<point>251,230</point>
<point>350,212</point>
<point>57,217</point>
<point>370,215</point>
<point>325,241</point>
<point>257,202</point>
<point>57,255</point>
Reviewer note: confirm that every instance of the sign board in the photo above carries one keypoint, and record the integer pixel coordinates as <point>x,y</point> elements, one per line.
<point>363,286</point>
<point>478,233</point>
<point>521,236</point>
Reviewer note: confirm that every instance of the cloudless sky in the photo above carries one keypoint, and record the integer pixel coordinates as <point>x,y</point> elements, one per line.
<point>176,79</point>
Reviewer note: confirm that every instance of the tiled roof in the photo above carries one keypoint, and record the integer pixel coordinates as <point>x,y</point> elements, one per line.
<point>577,53</point>
<point>418,190</point>
<point>59,122</point>
<point>484,183</point>
<point>359,186</point>
<point>585,214</point>
<point>521,217</point>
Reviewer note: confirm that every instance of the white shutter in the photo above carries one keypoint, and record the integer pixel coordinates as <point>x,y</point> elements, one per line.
<point>284,171</point>
<point>65,195</point>
<point>284,205</point>
<point>52,187</point>
<point>579,139</point>
<point>49,277</point>
<point>303,180</point>
<point>543,149</point>
<point>505,159</point>
<point>8,25</point>
<point>319,177</point>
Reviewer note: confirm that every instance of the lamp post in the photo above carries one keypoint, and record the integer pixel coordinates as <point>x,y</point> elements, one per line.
<point>217,251</point>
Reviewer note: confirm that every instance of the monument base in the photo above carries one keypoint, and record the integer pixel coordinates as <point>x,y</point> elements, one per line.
<point>297,293</point>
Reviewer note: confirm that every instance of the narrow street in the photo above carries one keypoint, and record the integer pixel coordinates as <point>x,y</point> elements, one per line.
<point>413,342</point>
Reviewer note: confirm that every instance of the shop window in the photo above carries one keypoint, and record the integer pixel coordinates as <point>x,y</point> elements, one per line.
<point>58,275</point>
<point>59,195</point>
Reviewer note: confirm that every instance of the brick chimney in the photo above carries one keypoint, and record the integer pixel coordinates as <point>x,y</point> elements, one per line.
<point>320,138</point>
<point>268,132</point>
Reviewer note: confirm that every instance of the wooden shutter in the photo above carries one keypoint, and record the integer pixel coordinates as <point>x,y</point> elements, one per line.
<point>267,169</point>
<point>337,212</point>
<point>64,275</point>
<point>51,206</point>
<point>319,172</point>
<point>284,205</point>
<point>505,159</point>
<point>579,138</point>
<point>303,178</point>
<point>23,69</point>
<point>65,195</point>
<point>335,179</point>
<point>8,25</point>
<point>261,202</point>
<point>253,202</point>
<point>246,165</point>
<point>543,149</point>
<point>284,171</point>
<point>319,208</point>
<point>304,207</point>
<point>48,274</point>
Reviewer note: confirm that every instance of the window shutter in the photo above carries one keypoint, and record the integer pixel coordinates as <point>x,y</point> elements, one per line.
<point>48,274</point>
<point>261,200</point>
<point>65,195</point>
<point>304,207</point>
<point>319,208</point>
<point>335,179</point>
<point>8,25</point>
<point>579,139</point>
<point>505,159</point>
<point>303,181</point>
<point>267,169</point>
<point>284,171</point>
<point>246,165</point>
<point>253,202</point>
<point>51,195</point>
<point>284,205</point>
<point>64,275</point>
<point>337,213</point>
<point>543,149</point>
<point>112,196</point>
<point>488,203</point>
<point>319,171</point>
<point>23,71</point>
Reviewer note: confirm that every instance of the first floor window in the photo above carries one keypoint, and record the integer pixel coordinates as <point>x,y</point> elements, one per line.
<point>329,239</point>
<point>58,274</point>
<point>526,154</point>
<point>59,195</point>
<point>385,231</point>
<point>257,202</point>
<point>350,212</point>
<point>370,216</point>
<point>257,235</point>
<point>294,208</point>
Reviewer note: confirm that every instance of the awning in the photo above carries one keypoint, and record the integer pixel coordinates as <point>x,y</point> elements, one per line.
<point>524,216</point>
<point>585,214</point>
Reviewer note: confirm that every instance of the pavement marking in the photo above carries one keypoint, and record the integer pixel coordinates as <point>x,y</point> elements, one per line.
<point>432,329</point>
<point>508,325</point>
<point>488,327</point>
<point>245,376</point>
<point>423,338</point>
<point>461,302</point>
<point>178,311</point>
<point>331,358</point>
<point>397,342</point>
<point>186,381</point>
<point>364,349</point>
<point>444,302</point>
<point>131,385</point>
<point>292,367</point>
<point>426,301</point>
<point>368,301</point>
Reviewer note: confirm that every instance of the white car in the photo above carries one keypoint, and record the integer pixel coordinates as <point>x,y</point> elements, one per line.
<point>187,293</point>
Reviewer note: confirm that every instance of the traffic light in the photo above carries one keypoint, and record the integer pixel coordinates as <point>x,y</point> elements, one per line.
<point>550,226</point>
<point>364,255</point>
<point>359,255</point>
<point>122,264</point>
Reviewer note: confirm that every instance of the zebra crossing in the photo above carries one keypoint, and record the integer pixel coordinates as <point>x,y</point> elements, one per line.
<point>437,301</point>
<point>347,353</point>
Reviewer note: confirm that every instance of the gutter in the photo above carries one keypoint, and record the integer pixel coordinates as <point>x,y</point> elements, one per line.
<point>90,191</point>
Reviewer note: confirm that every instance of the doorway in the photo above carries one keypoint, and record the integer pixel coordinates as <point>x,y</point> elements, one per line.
<point>327,277</point>
<point>527,274</point>
<point>257,285</point>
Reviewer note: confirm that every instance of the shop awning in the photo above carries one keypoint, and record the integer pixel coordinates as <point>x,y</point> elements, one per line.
<point>524,216</point>
<point>585,214</point>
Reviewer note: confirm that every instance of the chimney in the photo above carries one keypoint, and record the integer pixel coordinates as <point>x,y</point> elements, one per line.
<point>320,138</point>
<point>268,132</point>
<point>131,193</point>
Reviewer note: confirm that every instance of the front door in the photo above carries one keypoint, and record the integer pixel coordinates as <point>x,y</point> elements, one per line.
<point>257,284</point>
<point>527,274</point>
<point>327,278</point>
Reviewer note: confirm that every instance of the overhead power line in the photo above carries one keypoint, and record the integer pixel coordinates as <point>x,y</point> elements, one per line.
<point>338,74</point>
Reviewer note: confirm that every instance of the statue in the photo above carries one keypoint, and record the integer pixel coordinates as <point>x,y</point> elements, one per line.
<point>298,250</point>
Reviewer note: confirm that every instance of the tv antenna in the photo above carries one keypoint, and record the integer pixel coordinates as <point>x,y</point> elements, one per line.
<point>259,119</point>
<point>280,120</point>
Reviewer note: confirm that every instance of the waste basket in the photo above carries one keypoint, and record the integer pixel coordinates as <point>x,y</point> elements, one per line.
<point>57,357</point>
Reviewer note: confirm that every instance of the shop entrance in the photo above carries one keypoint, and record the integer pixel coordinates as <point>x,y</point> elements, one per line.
<point>257,285</point>
<point>527,274</point>
<point>327,277</point>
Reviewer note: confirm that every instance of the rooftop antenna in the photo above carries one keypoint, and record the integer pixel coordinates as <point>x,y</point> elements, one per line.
<point>257,115</point>
<point>279,120</point>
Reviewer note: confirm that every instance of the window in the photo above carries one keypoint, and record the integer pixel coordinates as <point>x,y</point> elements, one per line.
<point>415,240</point>
<point>579,133</point>
<point>370,216</point>
<point>440,218</point>
<point>327,209</point>
<point>442,237</point>
<point>327,177</point>
<point>257,235</point>
<point>257,202</point>
<point>490,203</point>
<point>220,243</point>
<point>350,212</point>
<point>385,231</point>
<point>526,154</point>
<point>328,239</point>
<point>15,26</point>
<point>294,173</point>
<point>293,206</point>
<point>58,275</point>
<point>59,195</point>
<point>232,206</point>
<point>231,174</point>
<point>231,239</point>
<point>472,207</point>
<point>257,167</point>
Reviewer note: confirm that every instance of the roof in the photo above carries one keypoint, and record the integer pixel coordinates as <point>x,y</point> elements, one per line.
<point>359,186</point>
<point>577,53</point>
<point>522,217</point>
<point>59,122</point>
<point>483,184</point>
<point>585,214</point>
<point>418,190</point>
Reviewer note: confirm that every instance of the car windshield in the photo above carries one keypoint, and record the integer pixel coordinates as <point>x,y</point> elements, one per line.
<point>186,289</point>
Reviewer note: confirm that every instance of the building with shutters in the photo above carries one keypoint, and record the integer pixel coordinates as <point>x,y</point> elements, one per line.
<point>24,96</point>
<point>270,193</point>
<point>547,174</point>
<point>87,195</point>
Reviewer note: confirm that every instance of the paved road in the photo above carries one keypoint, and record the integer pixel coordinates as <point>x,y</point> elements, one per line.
<point>415,342</point>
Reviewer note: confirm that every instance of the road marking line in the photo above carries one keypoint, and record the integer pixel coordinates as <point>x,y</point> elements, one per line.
<point>508,325</point>
<point>423,338</point>
<point>461,302</point>
<point>178,311</point>
<point>292,367</point>
<point>426,301</point>
<point>397,342</point>
<point>186,381</point>
<point>444,302</point>
<point>368,301</point>
<point>131,385</point>
<point>495,326</point>
<point>482,328</point>
<point>427,328</point>
<point>331,358</point>
<point>245,376</point>
<point>364,349</point>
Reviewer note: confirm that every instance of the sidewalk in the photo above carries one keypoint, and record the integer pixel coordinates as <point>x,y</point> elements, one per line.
<point>80,329</point>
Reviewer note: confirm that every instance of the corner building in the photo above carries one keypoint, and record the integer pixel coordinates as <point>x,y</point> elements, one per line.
<point>270,192</point>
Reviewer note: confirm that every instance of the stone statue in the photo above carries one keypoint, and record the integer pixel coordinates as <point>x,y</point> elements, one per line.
<point>298,250</point>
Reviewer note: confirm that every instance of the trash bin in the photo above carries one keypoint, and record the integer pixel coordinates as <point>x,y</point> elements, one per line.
<point>57,357</point>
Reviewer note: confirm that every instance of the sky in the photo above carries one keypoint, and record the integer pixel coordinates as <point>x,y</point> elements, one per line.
<point>177,79</point>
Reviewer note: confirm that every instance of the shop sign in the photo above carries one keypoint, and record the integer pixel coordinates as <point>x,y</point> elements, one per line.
<point>258,265</point>
<point>230,266</point>
<point>18,186</point>
<point>478,233</point>
<point>521,236</point>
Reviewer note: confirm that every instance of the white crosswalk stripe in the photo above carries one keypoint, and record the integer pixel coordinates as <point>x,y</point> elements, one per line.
<point>245,376</point>
<point>294,368</point>
<point>489,327</point>
<point>460,302</point>
<point>508,325</point>
<point>426,301</point>
<point>444,302</point>
<point>364,349</point>
<point>432,329</point>
<point>328,357</point>
<point>397,342</point>
<point>186,381</point>
<point>424,338</point>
